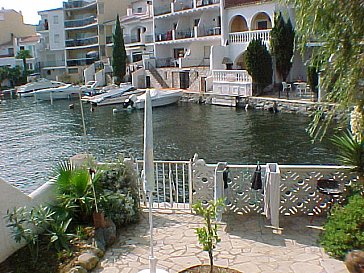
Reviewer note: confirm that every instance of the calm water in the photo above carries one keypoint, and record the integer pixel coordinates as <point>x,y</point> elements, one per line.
<point>35,136</point>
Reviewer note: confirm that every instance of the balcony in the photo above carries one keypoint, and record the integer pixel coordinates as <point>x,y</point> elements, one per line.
<point>82,42</point>
<point>235,3</point>
<point>77,4</point>
<point>52,64</point>
<point>241,76</point>
<point>184,34</point>
<point>162,10</point>
<point>182,5</point>
<point>80,22</point>
<point>247,36</point>
<point>42,27</point>
<point>80,62</point>
<point>203,3</point>
<point>131,39</point>
<point>196,32</point>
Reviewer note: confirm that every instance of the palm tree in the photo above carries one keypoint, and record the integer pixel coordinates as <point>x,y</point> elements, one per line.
<point>24,55</point>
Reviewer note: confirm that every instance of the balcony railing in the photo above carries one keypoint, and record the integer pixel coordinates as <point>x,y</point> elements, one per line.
<point>202,3</point>
<point>79,62</point>
<point>162,10</point>
<point>184,34</point>
<point>82,42</point>
<point>178,6</point>
<point>247,36</point>
<point>165,62</point>
<point>80,22</point>
<point>77,4</point>
<point>148,38</point>
<point>130,39</point>
<point>52,63</point>
<point>42,27</point>
<point>209,31</point>
<point>241,76</point>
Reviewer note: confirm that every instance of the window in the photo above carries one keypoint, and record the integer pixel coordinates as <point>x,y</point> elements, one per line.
<point>262,25</point>
<point>56,38</point>
<point>178,53</point>
<point>196,22</point>
<point>55,19</point>
<point>30,66</point>
<point>22,47</point>
<point>139,10</point>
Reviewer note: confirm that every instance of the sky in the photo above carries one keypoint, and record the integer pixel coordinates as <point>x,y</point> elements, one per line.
<point>30,8</point>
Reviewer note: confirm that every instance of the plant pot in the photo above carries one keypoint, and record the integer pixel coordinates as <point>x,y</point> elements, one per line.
<point>99,219</point>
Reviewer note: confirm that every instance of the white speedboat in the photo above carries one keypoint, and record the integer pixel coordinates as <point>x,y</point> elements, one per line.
<point>159,97</point>
<point>67,91</point>
<point>27,90</point>
<point>112,96</point>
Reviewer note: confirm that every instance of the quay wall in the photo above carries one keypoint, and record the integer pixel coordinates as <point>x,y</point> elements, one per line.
<point>12,197</point>
<point>259,103</point>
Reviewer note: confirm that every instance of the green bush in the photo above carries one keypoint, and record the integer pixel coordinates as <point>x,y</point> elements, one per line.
<point>120,198</point>
<point>344,230</point>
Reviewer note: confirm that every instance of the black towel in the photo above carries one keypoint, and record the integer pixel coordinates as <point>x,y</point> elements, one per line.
<point>257,178</point>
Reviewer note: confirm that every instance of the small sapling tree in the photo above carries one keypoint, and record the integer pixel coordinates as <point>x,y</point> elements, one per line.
<point>207,235</point>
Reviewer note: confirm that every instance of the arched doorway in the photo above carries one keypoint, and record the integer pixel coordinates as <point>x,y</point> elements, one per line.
<point>261,21</point>
<point>238,24</point>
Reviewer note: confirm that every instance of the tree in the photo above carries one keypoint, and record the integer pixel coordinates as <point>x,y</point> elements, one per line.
<point>10,73</point>
<point>118,53</point>
<point>24,55</point>
<point>282,45</point>
<point>337,27</point>
<point>207,235</point>
<point>259,65</point>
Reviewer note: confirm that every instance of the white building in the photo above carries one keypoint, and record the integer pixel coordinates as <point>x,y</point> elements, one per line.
<point>199,44</point>
<point>52,46</point>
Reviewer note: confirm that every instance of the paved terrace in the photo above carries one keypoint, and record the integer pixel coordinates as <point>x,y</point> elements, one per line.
<point>246,245</point>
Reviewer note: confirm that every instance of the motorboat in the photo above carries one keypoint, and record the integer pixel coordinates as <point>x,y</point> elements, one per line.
<point>27,90</point>
<point>159,97</point>
<point>113,96</point>
<point>66,91</point>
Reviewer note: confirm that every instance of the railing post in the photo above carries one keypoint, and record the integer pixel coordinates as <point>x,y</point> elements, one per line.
<point>190,184</point>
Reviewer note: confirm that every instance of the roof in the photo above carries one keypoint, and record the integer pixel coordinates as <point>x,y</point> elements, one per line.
<point>29,39</point>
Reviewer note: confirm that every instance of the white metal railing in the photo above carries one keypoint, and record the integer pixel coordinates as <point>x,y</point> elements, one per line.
<point>179,184</point>
<point>173,181</point>
<point>247,36</point>
<point>235,76</point>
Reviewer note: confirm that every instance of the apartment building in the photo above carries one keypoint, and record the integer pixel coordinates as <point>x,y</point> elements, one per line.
<point>16,36</point>
<point>199,44</point>
<point>52,47</point>
<point>79,31</point>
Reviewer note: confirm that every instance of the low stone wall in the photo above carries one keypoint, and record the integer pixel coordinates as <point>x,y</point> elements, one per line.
<point>259,103</point>
<point>12,197</point>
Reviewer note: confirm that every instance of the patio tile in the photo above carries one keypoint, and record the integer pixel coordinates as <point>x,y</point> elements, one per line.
<point>246,246</point>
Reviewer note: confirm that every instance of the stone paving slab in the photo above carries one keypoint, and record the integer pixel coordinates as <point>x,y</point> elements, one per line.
<point>246,245</point>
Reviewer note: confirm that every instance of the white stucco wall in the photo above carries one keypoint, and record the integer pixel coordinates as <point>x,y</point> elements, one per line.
<point>12,197</point>
<point>56,29</point>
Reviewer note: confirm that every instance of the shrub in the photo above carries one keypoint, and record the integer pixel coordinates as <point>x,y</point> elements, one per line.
<point>120,197</point>
<point>344,230</point>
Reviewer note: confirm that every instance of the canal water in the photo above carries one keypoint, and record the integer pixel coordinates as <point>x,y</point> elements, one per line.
<point>35,136</point>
